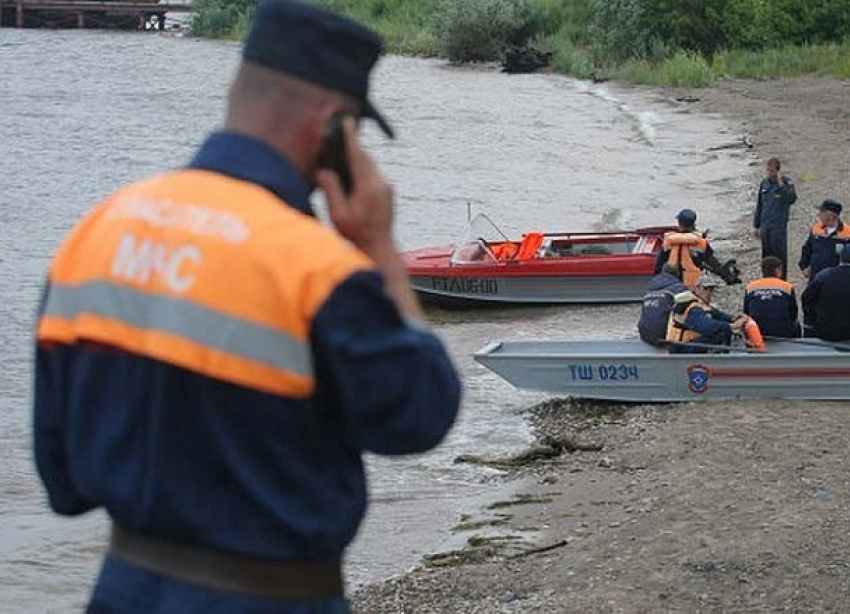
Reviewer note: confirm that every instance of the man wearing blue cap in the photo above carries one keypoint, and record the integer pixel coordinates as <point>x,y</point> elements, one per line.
<point>690,251</point>
<point>826,239</point>
<point>212,361</point>
<point>826,301</point>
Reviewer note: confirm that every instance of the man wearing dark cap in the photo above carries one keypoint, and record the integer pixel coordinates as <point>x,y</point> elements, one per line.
<point>212,360</point>
<point>826,239</point>
<point>689,250</point>
<point>776,194</point>
<point>826,301</point>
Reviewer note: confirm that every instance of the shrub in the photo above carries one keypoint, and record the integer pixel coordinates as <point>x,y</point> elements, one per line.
<point>481,30</point>
<point>222,18</point>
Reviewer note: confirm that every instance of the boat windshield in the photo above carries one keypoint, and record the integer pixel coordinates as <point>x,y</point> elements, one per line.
<point>476,239</point>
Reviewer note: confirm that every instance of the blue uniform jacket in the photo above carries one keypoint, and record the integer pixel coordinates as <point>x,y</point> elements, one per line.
<point>772,303</point>
<point>820,251</point>
<point>656,307</point>
<point>700,321</point>
<point>233,468</point>
<point>774,203</point>
<point>826,303</point>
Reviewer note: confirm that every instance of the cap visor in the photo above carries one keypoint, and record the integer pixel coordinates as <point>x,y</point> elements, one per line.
<point>372,113</point>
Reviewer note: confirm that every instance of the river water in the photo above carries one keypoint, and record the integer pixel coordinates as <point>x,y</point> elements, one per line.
<point>84,112</point>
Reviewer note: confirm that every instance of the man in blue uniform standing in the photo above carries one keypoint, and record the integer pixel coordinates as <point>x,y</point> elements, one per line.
<point>212,360</point>
<point>770,221</point>
<point>825,241</point>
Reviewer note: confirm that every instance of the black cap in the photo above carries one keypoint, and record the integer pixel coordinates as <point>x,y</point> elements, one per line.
<point>687,217</point>
<point>830,205</point>
<point>318,46</point>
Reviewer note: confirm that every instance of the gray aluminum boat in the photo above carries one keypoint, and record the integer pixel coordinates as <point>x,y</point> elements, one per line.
<point>630,370</point>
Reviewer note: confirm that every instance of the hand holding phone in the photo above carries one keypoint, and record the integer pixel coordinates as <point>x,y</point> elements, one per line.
<point>334,155</point>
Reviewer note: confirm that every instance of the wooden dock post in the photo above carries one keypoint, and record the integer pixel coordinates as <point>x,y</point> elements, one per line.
<point>81,20</point>
<point>20,14</point>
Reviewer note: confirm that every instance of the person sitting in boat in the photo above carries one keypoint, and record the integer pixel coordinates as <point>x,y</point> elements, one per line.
<point>696,327</point>
<point>771,301</point>
<point>657,304</point>
<point>826,301</point>
<point>691,252</point>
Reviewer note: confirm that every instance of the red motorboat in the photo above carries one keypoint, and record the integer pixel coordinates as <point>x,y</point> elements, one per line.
<point>541,267</point>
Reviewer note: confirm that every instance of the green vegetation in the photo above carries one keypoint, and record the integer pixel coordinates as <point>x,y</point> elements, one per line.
<point>222,18</point>
<point>662,42</point>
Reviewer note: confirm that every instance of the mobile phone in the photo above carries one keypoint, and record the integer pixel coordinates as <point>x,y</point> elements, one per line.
<point>334,156</point>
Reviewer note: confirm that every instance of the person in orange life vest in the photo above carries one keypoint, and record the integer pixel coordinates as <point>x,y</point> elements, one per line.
<point>825,241</point>
<point>213,361</point>
<point>692,253</point>
<point>826,301</point>
<point>771,301</point>
<point>695,321</point>
<point>776,194</point>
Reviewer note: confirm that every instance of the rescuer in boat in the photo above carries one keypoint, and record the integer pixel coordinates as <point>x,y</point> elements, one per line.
<point>825,241</point>
<point>771,301</point>
<point>695,321</point>
<point>657,304</point>
<point>691,252</point>
<point>826,301</point>
<point>213,361</point>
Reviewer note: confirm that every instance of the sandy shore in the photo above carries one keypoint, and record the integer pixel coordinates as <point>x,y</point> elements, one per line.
<point>726,507</point>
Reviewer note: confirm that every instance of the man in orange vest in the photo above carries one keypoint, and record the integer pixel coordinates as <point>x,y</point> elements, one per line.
<point>691,252</point>
<point>696,326</point>
<point>213,361</point>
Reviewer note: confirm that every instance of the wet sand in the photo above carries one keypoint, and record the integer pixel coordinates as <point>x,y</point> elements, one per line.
<point>693,507</point>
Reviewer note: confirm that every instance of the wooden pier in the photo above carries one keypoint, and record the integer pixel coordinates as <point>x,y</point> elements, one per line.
<point>138,14</point>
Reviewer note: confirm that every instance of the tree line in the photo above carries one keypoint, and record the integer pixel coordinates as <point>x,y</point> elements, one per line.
<point>668,41</point>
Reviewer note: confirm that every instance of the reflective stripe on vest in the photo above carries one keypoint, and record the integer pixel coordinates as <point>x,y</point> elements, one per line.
<point>179,270</point>
<point>770,284</point>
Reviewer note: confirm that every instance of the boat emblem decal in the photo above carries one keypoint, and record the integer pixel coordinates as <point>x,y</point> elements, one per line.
<point>698,377</point>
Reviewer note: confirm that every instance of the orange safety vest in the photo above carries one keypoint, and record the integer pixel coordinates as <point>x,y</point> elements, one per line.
<point>201,271</point>
<point>843,233</point>
<point>770,283</point>
<point>684,247</point>
<point>676,330</point>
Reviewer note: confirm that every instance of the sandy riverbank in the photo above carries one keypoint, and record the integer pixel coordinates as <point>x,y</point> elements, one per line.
<point>719,507</point>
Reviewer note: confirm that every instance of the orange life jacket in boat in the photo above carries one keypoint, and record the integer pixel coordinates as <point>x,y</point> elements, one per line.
<point>687,250</point>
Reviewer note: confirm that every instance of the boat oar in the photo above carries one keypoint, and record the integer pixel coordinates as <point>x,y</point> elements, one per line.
<point>841,347</point>
<point>722,349</point>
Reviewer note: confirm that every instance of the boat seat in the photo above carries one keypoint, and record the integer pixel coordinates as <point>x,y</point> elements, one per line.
<point>645,245</point>
<point>531,243</point>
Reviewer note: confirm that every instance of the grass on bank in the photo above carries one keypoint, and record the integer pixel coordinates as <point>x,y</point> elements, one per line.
<point>480,30</point>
